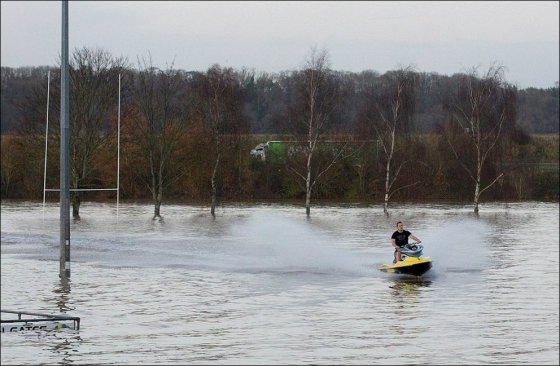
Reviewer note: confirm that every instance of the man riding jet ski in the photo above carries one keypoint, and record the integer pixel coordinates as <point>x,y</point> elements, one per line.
<point>408,256</point>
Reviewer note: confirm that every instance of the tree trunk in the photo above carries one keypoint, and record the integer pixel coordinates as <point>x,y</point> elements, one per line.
<point>477,182</point>
<point>157,205</point>
<point>76,201</point>
<point>157,201</point>
<point>213,182</point>
<point>308,203</point>
<point>387,187</point>
<point>213,205</point>
<point>476,195</point>
<point>308,186</point>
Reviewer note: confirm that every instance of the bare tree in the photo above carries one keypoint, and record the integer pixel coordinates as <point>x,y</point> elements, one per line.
<point>94,91</point>
<point>157,130</point>
<point>221,104</point>
<point>391,119</point>
<point>481,109</point>
<point>310,112</point>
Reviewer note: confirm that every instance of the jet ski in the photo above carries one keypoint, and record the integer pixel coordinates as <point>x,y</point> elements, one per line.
<point>412,263</point>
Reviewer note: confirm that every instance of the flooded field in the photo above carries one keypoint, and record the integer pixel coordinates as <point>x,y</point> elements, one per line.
<point>262,284</point>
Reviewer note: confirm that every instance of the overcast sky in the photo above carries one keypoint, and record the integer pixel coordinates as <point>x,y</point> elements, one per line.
<point>441,37</point>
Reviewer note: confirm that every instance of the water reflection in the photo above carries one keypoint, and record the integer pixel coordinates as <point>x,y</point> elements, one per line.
<point>65,346</point>
<point>61,293</point>
<point>405,288</point>
<point>66,342</point>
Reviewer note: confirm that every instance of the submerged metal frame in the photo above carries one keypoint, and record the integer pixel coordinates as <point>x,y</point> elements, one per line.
<point>45,318</point>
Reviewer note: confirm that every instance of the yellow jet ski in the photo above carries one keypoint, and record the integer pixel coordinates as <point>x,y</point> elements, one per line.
<point>412,263</point>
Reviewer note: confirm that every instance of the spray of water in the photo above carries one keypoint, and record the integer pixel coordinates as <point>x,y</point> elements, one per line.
<point>275,243</point>
<point>457,245</point>
<point>265,241</point>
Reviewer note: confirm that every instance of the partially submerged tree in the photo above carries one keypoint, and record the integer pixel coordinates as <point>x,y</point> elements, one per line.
<point>221,105</point>
<point>157,129</point>
<point>310,112</point>
<point>390,110</point>
<point>479,111</point>
<point>93,95</point>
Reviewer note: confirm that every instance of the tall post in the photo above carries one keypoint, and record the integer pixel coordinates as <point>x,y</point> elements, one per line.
<point>118,146</point>
<point>64,150</point>
<point>46,140</point>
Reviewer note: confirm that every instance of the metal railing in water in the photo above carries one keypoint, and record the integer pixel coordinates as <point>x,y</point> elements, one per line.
<point>37,321</point>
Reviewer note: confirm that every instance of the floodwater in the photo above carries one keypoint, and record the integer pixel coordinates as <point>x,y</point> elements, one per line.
<point>262,284</point>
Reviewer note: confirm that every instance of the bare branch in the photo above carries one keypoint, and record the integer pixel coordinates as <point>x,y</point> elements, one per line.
<point>403,187</point>
<point>492,183</point>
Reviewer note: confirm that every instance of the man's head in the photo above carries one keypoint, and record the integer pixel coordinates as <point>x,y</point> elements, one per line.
<point>399,226</point>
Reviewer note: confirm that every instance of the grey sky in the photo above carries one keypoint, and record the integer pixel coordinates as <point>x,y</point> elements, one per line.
<point>442,37</point>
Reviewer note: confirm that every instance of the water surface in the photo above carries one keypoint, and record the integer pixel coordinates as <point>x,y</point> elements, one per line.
<point>262,284</point>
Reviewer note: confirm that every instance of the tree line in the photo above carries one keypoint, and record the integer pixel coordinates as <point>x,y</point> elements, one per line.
<point>187,135</point>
